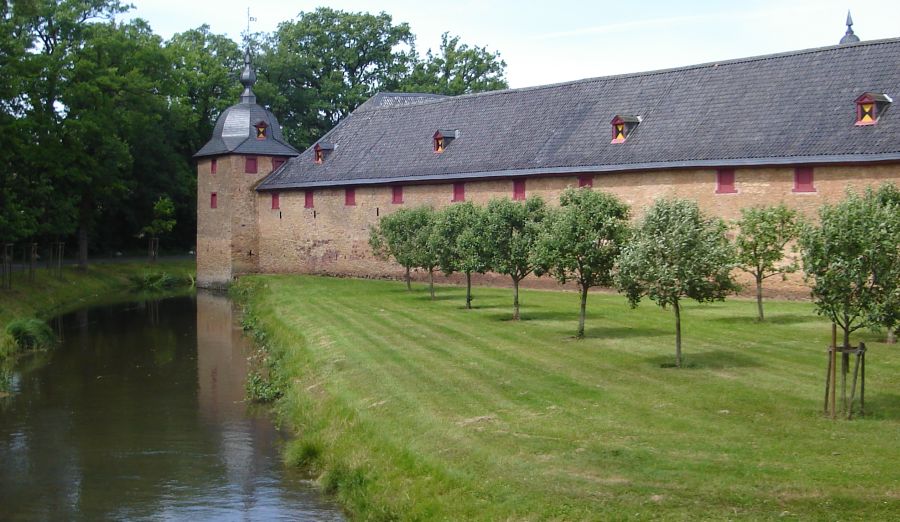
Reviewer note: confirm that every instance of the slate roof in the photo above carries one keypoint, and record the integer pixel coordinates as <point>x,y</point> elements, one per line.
<point>789,108</point>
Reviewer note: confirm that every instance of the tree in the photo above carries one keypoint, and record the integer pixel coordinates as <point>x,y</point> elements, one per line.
<point>403,236</point>
<point>457,69</point>
<point>512,229</point>
<point>582,240</point>
<point>316,69</point>
<point>763,233</point>
<point>853,260</point>
<point>163,223</point>
<point>675,253</point>
<point>458,239</point>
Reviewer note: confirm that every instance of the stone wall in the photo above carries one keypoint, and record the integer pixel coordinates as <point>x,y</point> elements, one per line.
<point>332,238</point>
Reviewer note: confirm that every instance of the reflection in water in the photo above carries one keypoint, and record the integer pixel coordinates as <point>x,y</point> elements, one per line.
<point>139,414</point>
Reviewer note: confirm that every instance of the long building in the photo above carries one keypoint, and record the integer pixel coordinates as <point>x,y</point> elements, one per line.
<point>798,128</point>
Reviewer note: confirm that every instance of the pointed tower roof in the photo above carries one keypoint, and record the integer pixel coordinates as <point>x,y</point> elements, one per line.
<point>237,130</point>
<point>849,37</point>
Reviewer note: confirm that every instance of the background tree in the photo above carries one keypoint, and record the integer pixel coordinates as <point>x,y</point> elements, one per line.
<point>763,233</point>
<point>582,239</point>
<point>511,232</point>
<point>458,239</point>
<point>675,253</point>
<point>852,260</point>
<point>457,69</point>
<point>426,242</point>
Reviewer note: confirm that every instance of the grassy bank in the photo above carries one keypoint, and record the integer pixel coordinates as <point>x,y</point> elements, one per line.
<point>49,295</point>
<point>417,409</point>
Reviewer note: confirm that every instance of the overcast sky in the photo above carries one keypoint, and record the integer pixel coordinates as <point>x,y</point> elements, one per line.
<point>553,41</point>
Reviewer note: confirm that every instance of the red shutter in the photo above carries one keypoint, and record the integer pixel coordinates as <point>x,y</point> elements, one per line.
<point>213,200</point>
<point>308,203</point>
<point>213,166</point>
<point>519,189</point>
<point>586,180</point>
<point>277,162</point>
<point>397,196</point>
<point>350,197</point>
<point>276,201</point>
<point>250,164</point>
<point>803,179</point>
<point>459,191</point>
<point>725,181</point>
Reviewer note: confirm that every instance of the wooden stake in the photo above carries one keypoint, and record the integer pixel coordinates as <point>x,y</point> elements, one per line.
<point>827,381</point>
<point>833,369</point>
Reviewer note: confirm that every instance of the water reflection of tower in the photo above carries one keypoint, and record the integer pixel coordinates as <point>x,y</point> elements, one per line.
<point>222,352</point>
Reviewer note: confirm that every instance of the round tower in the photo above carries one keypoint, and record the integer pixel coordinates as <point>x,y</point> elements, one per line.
<point>246,145</point>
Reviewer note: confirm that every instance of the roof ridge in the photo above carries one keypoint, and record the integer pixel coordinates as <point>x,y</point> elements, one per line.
<point>641,74</point>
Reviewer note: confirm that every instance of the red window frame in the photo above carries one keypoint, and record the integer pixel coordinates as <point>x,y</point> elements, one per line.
<point>251,165</point>
<point>213,166</point>
<point>213,200</point>
<point>804,180</point>
<point>439,144</point>
<point>308,201</point>
<point>585,180</point>
<point>397,195</point>
<point>350,197</point>
<point>518,189</point>
<point>261,130</point>
<point>277,162</point>
<point>276,201</point>
<point>725,181</point>
<point>319,157</point>
<point>459,191</point>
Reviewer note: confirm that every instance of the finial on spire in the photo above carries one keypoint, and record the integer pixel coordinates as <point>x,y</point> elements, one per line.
<point>849,37</point>
<point>248,79</point>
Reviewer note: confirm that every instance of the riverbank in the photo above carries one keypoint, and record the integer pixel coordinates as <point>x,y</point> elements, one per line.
<point>48,295</point>
<point>409,408</point>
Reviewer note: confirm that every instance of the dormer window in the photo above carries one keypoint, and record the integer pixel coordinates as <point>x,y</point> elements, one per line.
<point>322,151</point>
<point>261,129</point>
<point>442,139</point>
<point>869,107</point>
<point>622,126</point>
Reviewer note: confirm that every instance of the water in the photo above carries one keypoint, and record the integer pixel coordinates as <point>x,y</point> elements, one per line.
<point>139,414</point>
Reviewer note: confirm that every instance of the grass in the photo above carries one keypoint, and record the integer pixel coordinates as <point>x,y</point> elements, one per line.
<point>31,303</point>
<point>408,408</point>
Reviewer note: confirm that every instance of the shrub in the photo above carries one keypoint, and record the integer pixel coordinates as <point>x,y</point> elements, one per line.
<point>153,281</point>
<point>31,334</point>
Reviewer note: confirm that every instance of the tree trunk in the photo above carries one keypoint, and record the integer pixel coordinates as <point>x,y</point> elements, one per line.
<point>515,299</point>
<point>408,284</point>
<point>82,247</point>
<point>584,294</point>
<point>468,290</point>
<point>891,336</point>
<point>759,305</point>
<point>431,282</point>
<point>846,328</point>
<point>677,334</point>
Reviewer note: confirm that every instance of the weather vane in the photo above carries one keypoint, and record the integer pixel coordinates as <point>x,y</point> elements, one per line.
<point>247,32</point>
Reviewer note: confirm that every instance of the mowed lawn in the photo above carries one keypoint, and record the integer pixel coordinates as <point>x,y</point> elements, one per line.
<point>418,409</point>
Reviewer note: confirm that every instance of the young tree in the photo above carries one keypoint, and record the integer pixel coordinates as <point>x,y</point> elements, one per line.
<point>458,237</point>
<point>582,239</point>
<point>405,236</point>
<point>163,223</point>
<point>676,253</point>
<point>763,234</point>
<point>512,229</point>
<point>853,260</point>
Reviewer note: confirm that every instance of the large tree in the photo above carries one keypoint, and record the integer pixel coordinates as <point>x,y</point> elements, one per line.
<point>852,260</point>
<point>763,234</point>
<point>676,253</point>
<point>582,239</point>
<point>459,242</point>
<point>512,230</point>
<point>457,69</point>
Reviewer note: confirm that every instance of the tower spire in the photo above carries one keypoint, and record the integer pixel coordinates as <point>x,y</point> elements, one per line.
<point>849,37</point>
<point>248,79</point>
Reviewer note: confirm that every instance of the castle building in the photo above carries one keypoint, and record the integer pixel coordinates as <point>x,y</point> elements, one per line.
<point>798,128</point>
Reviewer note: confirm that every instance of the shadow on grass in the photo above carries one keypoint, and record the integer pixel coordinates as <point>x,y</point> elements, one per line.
<point>718,359</point>
<point>621,332</point>
<point>774,319</point>
<point>879,406</point>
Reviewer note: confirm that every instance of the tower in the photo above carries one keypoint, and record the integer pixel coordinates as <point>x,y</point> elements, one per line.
<point>245,147</point>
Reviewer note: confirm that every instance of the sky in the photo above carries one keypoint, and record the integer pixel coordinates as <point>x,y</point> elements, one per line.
<point>548,41</point>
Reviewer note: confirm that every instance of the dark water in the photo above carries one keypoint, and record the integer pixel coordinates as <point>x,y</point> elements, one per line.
<point>139,415</point>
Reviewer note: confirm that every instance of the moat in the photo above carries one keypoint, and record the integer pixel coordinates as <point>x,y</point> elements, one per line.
<point>139,414</point>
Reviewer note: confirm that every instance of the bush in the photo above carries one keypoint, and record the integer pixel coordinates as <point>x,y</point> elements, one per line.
<point>152,281</point>
<point>31,334</point>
